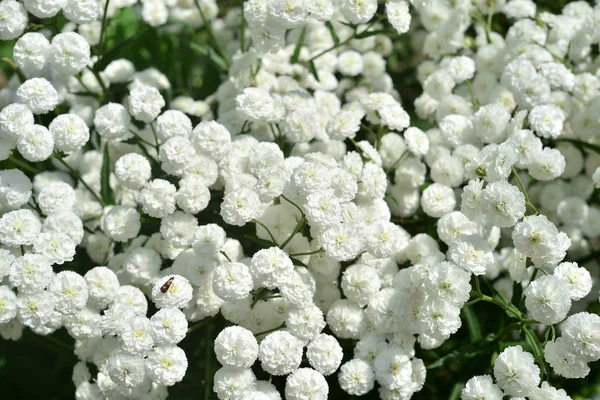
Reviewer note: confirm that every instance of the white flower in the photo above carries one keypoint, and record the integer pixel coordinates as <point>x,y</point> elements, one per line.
<point>158,198</point>
<point>416,141</point>
<point>360,282</point>
<point>14,118</point>
<point>516,372</point>
<point>177,295</point>
<point>438,200</point>
<point>240,206</point>
<point>232,382</point>
<point>271,267</point>
<point>19,227</point>
<point>232,281</point>
<point>236,347</point>
<point>358,11</point>
<point>70,292</point>
<point>30,273</point>
<point>168,326</point>
<point>178,229</point>
<point>578,279</point>
<point>56,246</point>
<point>502,203</point>
<point>471,253</point>
<point>538,238</point>
<point>126,369</point>
<point>31,51</point>
<point>398,15</point>
<point>8,304</point>
<point>256,104</point>
<point>145,103</point>
<point>548,299</point>
<point>136,336</point>
<point>55,197</point>
<point>70,132</point>
<point>393,369</point>
<point>35,143</point>
<point>38,95</point>
<point>346,319</point>
<point>305,322</point>
<point>102,284</point>
<point>306,383</point>
<point>350,63</point>
<point>13,19</point>
<point>547,121</point>
<point>166,365</point>
<point>70,53</point>
<point>356,377</point>
<point>280,353</point>
<point>82,11</point>
<point>112,121</point>
<point>35,309</point>
<point>324,354</point>
<point>481,387</point>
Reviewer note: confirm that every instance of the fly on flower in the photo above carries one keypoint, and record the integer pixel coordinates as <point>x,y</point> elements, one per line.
<point>167,285</point>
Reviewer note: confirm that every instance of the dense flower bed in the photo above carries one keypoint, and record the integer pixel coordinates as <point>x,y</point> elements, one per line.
<point>363,179</point>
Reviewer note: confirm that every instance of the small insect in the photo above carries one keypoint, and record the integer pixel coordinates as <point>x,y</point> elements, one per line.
<point>167,285</point>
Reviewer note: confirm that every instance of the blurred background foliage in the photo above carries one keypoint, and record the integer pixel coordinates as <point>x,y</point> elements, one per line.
<point>38,367</point>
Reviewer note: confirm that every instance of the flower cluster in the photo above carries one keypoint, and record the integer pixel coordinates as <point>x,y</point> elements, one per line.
<point>333,227</point>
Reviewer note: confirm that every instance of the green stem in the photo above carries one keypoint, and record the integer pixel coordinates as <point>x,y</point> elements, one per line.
<point>78,177</point>
<point>103,29</point>
<point>344,42</point>
<point>15,68</point>
<point>225,255</point>
<point>207,364</point>
<point>199,325</point>
<point>23,165</point>
<point>141,139</point>
<point>294,204</point>
<point>528,202</point>
<point>474,100</point>
<point>266,229</point>
<point>211,34</point>
<point>157,146</point>
<point>84,86</point>
<point>98,77</point>
<point>256,296</point>
<point>297,229</point>
<point>537,351</point>
<point>482,297</point>
<point>488,26</point>
<point>306,254</point>
<point>396,163</point>
<point>243,33</point>
<point>271,330</point>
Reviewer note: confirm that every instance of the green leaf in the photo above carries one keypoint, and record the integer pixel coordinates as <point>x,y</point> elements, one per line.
<point>456,391</point>
<point>296,55</point>
<point>313,69</point>
<point>105,191</point>
<point>212,55</point>
<point>334,35</point>
<point>581,143</point>
<point>259,241</point>
<point>113,53</point>
<point>348,24</point>
<point>297,262</point>
<point>517,294</point>
<point>472,323</point>
<point>468,351</point>
<point>393,198</point>
<point>367,34</point>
